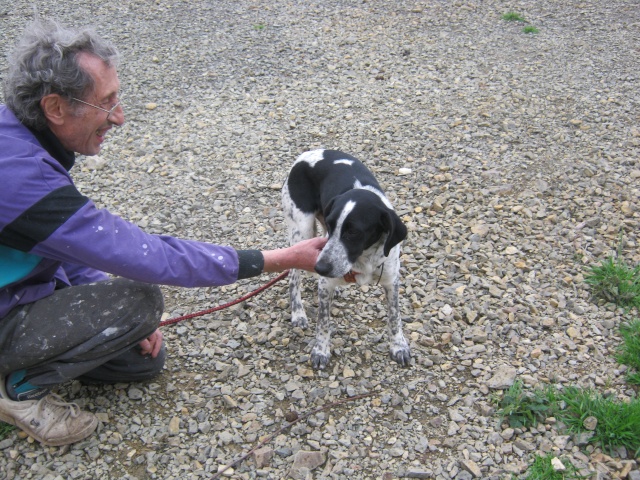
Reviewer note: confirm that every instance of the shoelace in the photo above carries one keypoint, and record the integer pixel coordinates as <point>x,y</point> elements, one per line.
<point>55,401</point>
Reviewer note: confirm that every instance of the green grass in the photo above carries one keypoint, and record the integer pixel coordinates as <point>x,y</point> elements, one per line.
<point>542,469</point>
<point>516,17</point>
<point>513,17</point>
<point>5,429</point>
<point>523,408</point>
<point>616,282</point>
<point>629,352</point>
<point>618,422</point>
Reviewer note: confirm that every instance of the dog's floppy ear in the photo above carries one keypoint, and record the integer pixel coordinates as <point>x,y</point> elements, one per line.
<point>328,207</point>
<point>397,231</point>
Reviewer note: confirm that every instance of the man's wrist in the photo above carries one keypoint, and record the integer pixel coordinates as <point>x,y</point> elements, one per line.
<point>250,263</point>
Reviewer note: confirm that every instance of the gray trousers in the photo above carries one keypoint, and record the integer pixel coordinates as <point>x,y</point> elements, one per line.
<point>90,332</point>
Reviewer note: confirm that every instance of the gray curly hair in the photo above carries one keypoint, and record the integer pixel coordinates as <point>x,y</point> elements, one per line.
<point>45,61</point>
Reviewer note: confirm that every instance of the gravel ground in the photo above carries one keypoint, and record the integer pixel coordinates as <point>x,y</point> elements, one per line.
<point>512,157</point>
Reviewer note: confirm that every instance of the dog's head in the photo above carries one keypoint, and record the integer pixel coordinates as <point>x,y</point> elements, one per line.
<point>356,221</point>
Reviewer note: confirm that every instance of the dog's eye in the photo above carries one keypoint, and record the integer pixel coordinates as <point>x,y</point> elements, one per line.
<point>351,233</point>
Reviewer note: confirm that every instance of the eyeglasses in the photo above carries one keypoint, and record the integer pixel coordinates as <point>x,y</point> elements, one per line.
<point>109,112</point>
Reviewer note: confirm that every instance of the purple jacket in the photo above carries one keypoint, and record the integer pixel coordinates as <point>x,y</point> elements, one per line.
<point>52,236</point>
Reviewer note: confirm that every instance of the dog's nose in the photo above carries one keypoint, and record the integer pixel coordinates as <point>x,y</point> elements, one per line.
<point>323,268</point>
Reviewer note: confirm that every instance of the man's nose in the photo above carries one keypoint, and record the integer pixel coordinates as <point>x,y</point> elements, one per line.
<point>117,116</point>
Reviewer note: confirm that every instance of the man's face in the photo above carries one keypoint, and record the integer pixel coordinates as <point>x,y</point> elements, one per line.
<point>83,129</point>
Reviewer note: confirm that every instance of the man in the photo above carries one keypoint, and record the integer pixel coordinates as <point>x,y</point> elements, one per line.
<point>61,316</point>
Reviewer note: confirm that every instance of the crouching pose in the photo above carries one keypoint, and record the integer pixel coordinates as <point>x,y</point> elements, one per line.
<point>61,316</point>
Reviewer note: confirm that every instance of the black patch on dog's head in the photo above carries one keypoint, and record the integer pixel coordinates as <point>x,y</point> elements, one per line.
<point>365,225</point>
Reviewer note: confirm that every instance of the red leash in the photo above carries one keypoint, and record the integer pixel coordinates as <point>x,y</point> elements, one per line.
<point>171,321</point>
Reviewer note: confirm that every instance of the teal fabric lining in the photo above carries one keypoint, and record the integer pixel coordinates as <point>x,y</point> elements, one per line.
<point>15,264</point>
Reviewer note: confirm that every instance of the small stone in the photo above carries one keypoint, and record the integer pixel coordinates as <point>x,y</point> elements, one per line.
<point>415,473</point>
<point>503,377</point>
<point>507,433</point>
<point>306,460</point>
<point>231,403</point>
<point>627,208</point>
<point>135,393</point>
<point>102,416</point>
<point>480,229</point>
<point>557,464</point>
<point>305,372</point>
<point>536,353</point>
<point>229,472</point>
<point>524,445</point>
<point>263,456</point>
<point>573,332</point>
<point>634,475</point>
<point>174,426</point>
<point>471,467</point>
<point>548,323</point>
<point>583,438</point>
<point>95,162</point>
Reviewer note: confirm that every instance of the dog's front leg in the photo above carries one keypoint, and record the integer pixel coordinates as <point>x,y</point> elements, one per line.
<point>321,351</point>
<point>301,227</point>
<point>398,346</point>
<point>298,315</point>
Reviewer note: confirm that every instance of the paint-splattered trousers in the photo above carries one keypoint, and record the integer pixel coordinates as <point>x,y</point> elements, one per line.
<point>90,332</point>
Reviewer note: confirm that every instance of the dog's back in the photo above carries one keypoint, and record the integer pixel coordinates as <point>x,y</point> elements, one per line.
<point>321,175</point>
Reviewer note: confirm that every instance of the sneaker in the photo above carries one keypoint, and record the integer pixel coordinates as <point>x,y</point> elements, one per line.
<point>50,420</point>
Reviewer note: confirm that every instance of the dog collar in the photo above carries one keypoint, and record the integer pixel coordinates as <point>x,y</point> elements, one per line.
<point>351,276</point>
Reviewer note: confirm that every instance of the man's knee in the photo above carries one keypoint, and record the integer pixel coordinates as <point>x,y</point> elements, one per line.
<point>144,301</point>
<point>152,297</point>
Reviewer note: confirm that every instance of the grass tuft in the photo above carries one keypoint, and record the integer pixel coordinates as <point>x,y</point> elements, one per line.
<point>629,352</point>
<point>5,429</point>
<point>513,17</point>
<point>523,408</point>
<point>542,469</point>
<point>516,17</point>
<point>618,423</point>
<point>616,282</point>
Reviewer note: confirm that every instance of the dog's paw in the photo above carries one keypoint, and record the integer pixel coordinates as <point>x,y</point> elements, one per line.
<point>401,354</point>
<point>299,319</point>
<point>319,358</point>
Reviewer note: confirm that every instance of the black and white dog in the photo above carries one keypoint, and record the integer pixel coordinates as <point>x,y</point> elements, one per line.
<point>364,234</point>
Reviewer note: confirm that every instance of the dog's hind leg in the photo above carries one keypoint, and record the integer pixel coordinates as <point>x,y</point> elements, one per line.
<point>398,346</point>
<point>321,351</point>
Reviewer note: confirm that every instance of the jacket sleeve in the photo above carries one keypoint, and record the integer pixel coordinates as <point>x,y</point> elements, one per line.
<point>103,241</point>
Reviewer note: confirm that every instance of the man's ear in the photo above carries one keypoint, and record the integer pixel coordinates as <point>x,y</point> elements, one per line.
<point>54,108</point>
